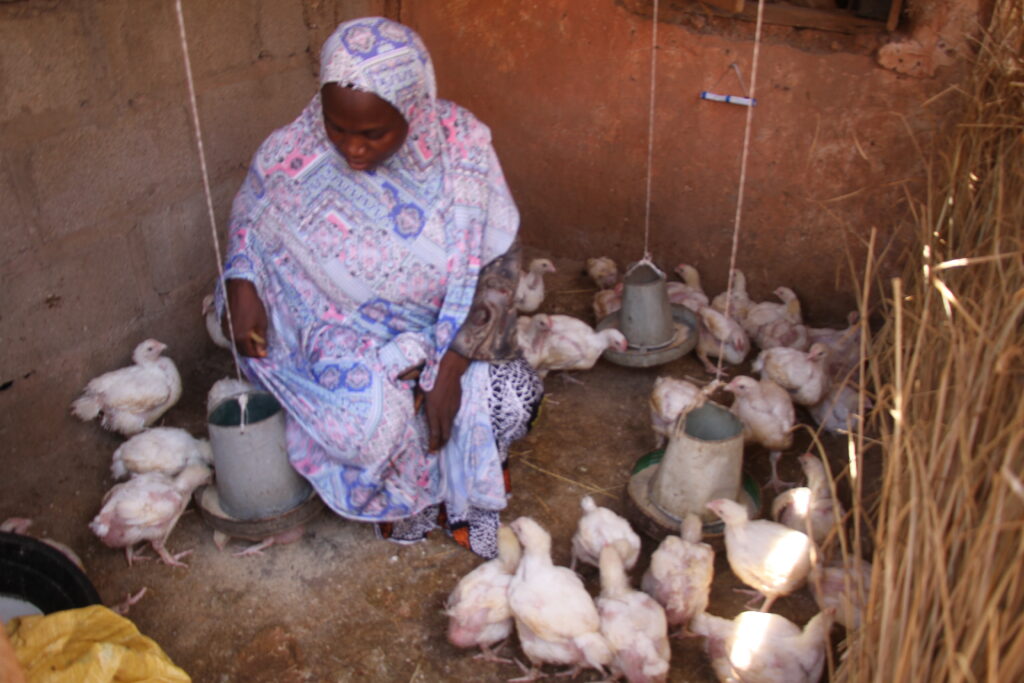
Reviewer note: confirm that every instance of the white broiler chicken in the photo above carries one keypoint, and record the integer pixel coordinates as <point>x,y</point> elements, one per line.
<point>598,527</point>
<point>680,574</point>
<point>671,398</point>
<point>736,303</point>
<point>839,410</point>
<point>843,348</point>
<point>132,398</point>
<point>810,509</point>
<point>720,336</point>
<point>772,324</point>
<point>603,271</point>
<point>478,610</point>
<point>607,301</point>
<point>212,321</point>
<point>687,293</point>
<point>531,333</point>
<point>226,388</point>
<point>146,508</point>
<point>757,647</point>
<point>768,417</point>
<point>530,290</point>
<point>801,373</point>
<point>771,558</point>
<point>167,450</point>
<point>561,342</point>
<point>844,587</point>
<point>633,623</point>
<point>555,617</point>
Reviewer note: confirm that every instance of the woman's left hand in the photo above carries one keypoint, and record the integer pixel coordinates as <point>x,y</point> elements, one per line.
<point>443,401</point>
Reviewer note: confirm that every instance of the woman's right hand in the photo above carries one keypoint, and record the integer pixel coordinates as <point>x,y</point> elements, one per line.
<point>248,317</point>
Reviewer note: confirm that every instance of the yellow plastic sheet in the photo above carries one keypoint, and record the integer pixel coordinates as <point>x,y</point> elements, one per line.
<point>88,645</point>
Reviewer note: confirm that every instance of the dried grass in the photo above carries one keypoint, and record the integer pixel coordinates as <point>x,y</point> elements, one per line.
<point>947,368</point>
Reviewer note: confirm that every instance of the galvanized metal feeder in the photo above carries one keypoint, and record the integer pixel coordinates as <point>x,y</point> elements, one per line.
<point>657,331</point>
<point>703,461</point>
<point>257,493</point>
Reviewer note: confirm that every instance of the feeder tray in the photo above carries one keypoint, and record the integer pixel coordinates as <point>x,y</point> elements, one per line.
<point>655,523</point>
<point>683,341</point>
<point>208,502</point>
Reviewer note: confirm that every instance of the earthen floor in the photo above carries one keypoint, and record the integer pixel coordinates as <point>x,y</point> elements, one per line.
<point>340,605</point>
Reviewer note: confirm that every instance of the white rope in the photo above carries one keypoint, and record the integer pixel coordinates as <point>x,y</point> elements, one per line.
<point>743,171</point>
<point>206,180</point>
<point>650,133</point>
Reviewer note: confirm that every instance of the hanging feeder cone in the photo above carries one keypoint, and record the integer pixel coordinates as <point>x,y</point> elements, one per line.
<point>657,331</point>
<point>257,492</point>
<point>703,461</point>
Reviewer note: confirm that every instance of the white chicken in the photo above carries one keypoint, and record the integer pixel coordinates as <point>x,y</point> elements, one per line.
<point>772,324</point>
<point>720,336</point>
<point>603,271</point>
<point>555,617</point>
<point>736,303</point>
<point>757,647</point>
<point>225,388</point>
<point>530,290</point>
<point>146,508</point>
<point>844,587</point>
<point>607,301</point>
<point>212,321</point>
<point>768,417</point>
<point>843,347</point>
<point>839,410</point>
<point>132,398</point>
<point>167,450</point>
<point>561,342</point>
<point>771,558</point>
<point>687,293</point>
<point>801,373</point>
<point>478,610</point>
<point>598,527</point>
<point>633,623</point>
<point>680,574</point>
<point>671,398</point>
<point>810,509</point>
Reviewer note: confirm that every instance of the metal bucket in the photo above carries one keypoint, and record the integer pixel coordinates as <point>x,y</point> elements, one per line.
<point>254,478</point>
<point>646,316</point>
<point>703,461</point>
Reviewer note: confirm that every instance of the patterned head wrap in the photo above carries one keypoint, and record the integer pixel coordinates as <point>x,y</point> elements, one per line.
<point>382,57</point>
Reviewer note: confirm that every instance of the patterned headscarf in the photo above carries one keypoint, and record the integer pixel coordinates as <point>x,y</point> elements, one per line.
<point>379,56</point>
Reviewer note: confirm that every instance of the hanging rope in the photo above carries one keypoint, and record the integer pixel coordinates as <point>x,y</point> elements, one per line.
<point>650,133</point>
<point>743,170</point>
<point>206,180</point>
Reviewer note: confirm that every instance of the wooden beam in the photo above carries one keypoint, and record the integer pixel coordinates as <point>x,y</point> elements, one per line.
<point>806,17</point>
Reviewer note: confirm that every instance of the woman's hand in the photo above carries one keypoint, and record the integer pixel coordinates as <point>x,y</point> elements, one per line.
<point>444,399</point>
<point>248,317</point>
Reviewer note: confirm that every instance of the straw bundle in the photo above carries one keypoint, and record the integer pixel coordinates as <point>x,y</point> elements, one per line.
<point>947,590</point>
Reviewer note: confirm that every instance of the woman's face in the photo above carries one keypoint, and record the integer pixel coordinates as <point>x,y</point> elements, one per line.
<point>364,129</point>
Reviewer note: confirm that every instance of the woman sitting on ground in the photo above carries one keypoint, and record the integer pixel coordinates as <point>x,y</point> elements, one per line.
<point>370,276</point>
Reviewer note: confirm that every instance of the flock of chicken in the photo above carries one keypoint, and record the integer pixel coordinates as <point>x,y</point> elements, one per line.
<point>162,465</point>
<point>797,364</point>
<point>625,631</point>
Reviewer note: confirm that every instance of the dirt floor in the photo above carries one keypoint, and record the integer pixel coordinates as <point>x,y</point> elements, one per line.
<point>340,605</point>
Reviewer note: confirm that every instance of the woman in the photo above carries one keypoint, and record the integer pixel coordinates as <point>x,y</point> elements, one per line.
<point>371,271</point>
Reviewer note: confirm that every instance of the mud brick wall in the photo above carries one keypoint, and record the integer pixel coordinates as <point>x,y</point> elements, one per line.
<point>104,238</point>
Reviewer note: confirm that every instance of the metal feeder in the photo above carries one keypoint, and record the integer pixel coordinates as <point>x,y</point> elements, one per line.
<point>657,331</point>
<point>703,461</point>
<point>254,480</point>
